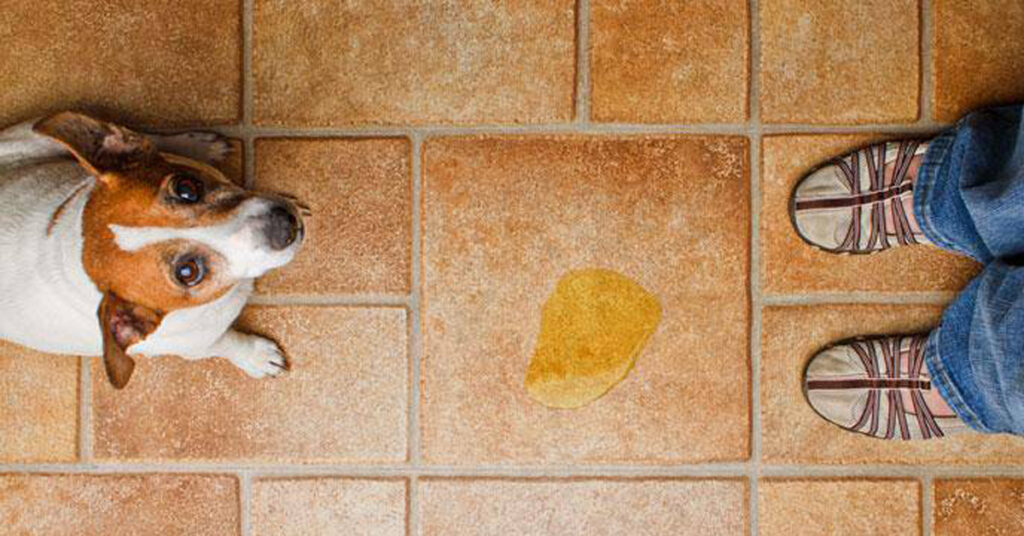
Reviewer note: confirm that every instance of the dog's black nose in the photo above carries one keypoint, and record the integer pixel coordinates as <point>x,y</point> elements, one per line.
<point>283,227</point>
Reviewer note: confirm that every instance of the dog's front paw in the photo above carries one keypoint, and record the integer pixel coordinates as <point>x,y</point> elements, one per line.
<point>263,358</point>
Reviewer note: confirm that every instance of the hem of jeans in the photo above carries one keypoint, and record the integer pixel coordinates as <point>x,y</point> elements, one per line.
<point>950,393</point>
<point>935,159</point>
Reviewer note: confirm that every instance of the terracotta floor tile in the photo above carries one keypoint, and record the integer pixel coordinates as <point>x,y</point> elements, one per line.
<point>192,505</point>
<point>506,218</point>
<point>789,265</point>
<point>982,507</point>
<point>669,62</point>
<point>798,507</point>
<point>606,506</point>
<point>976,59</point>
<point>793,433</point>
<point>311,506</point>
<point>344,399</point>
<point>467,61</point>
<point>38,406</point>
<point>359,238</point>
<point>169,62</point>
<point>834,62</point>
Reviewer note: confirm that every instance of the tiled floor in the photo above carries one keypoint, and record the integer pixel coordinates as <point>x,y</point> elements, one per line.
<point>460,157</point>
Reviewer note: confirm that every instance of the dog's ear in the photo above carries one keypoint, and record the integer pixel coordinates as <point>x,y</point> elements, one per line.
<point>123,324</point>
<point>99,146</point>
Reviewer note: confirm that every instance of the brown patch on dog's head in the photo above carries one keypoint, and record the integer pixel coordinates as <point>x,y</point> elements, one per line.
<point>167,199</point>
<point>140,187</point>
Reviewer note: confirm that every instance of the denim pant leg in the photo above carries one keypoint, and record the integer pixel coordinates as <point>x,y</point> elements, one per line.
<point>976,356</point>
<point>969,197</point>
<point>970,189</point>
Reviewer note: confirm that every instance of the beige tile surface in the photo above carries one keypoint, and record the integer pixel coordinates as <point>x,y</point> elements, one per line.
<point>313,506</point>
<point>789,265</point>
<point>181,504</point>
<point>976,58</point>
<point>401,62</point>
<point>359,238</point>
<point>835,507</point>
<point>165,62</point>
<point>669,62</point>
<point>979,507</point>
<point>793,433</point>
<point>344,399</point>
<point>38,406</point>
<point>839,62</point>
<point>599,507</point>
<point>505,218</point>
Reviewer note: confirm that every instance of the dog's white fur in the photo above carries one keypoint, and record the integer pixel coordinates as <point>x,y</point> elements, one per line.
<point>48,302</point>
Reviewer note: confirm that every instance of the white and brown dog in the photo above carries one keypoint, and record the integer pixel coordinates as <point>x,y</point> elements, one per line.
<point>116,243</point>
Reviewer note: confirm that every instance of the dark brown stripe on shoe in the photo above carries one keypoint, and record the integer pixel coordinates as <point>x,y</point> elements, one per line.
<point>869,384</point>
<point>854,200</point>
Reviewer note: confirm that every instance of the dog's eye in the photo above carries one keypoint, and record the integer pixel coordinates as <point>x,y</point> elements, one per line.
<point>189,272</point>
<point>186,187</point>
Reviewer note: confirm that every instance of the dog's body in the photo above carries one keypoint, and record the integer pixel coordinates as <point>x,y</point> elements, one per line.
<point>60,246</point>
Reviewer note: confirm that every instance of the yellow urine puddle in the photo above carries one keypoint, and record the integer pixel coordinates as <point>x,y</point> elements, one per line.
<point>591,330</point>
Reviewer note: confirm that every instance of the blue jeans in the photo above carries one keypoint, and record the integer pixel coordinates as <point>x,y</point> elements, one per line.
<point>969,198</point>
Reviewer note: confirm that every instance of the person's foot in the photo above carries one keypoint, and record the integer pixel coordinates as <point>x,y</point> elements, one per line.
<point>879,386</point>
<point>861,202</point>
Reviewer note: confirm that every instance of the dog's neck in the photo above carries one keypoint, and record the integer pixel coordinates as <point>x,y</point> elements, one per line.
<point>61,250</point>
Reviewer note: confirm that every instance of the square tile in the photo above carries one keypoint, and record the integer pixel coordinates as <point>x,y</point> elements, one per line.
<point>789,265</point>
<point>582,506</point>
<point>165,63</point>
<point>505,218</point>
<point>311,506</point>
<point>345,398</point>
<point>119,504</point>
<point>976,60</point>
<point>839,62</point>
<point>798,507</point>
<point>38,406</point>
<point>669,62</point>
<point>794,433</point>
<point>978,507</point>
<point>359,238</point>
<point>411,62</point>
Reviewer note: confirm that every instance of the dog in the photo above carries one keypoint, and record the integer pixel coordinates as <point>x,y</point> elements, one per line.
<point>115,243</point>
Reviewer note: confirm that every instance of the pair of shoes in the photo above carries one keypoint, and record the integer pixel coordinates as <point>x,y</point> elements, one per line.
<point>877,386</point>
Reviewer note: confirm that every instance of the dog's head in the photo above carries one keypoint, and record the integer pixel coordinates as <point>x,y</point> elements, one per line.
<point>163,232</point>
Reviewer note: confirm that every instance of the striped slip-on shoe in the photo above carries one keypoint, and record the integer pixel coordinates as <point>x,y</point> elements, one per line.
<point>854,205</point>
<point>877,386</point>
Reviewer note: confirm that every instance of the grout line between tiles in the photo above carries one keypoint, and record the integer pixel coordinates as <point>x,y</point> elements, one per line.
<point>245,502</point>
<point>582,62</point>
<point>412,506</point>
<point>927,89</point>
<point>84,409</point>
<point>708,129</point>
<point>245,130</point>
<point>927,504</point>
<point>925,117</point>
<point>878,298</point>
<point>754,268</point>
<point>696,470</point>
<point>247,78</point>
<point>416,334</point>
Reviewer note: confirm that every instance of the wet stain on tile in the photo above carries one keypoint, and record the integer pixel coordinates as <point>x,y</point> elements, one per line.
<point>592,329</point>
